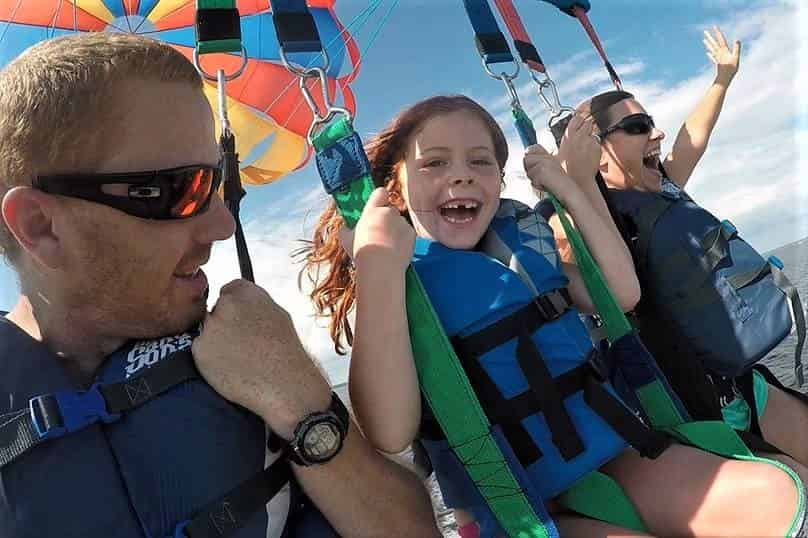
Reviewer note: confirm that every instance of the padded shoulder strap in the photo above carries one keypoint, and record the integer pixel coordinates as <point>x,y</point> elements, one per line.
<point>532,230</point>
<point>647,219</point>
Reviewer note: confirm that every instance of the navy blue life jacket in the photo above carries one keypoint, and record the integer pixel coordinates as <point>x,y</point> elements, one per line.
<point>529,359</point>
<point>148,472</point>
<point>705,286</point>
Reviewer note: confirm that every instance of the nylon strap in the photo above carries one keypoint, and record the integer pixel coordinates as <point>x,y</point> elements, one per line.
<point>233,193</point>
<point>614,320</point>
<point>600,497</point>
<point>50,416</point>
<point>580,14</point>
<point>228,514</point>
<point>491,43</point>
<point>218,26</point>
<point>295,26</point>
<point>442,380</point>
<point>521,40</point>
<point>797,315</point>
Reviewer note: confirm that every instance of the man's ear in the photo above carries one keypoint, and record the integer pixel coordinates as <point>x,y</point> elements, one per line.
<point>28,214</point>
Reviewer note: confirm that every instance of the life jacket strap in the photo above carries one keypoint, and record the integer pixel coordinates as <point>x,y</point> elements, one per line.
<point>543,309</point>
<point>546,394</point>
<point>226,515</point>
<point>60,413</point>
<point>797,314</point>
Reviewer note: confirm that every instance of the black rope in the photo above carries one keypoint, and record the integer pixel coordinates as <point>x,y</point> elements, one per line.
<point>233,193</point>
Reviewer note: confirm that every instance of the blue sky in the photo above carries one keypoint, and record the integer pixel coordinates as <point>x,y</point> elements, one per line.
<point>749,175</point>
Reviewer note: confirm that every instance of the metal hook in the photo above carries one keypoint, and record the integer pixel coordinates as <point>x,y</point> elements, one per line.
<point>303,71</point>
<point>222,99</point>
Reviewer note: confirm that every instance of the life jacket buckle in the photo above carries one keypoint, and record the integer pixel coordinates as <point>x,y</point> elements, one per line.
<point>552,305</point>
<point>65,411</point>
<point>599,367</point>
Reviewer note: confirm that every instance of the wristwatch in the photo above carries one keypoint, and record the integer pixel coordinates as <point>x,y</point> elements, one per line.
<point>319,436</point>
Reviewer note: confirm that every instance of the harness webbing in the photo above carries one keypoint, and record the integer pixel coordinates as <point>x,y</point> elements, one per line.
<point>521,40</point>
<point>233,193</point>
<point>581,15</point>
<point>218,26</point>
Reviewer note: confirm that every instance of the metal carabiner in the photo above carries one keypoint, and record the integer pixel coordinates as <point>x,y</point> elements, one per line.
<point>508,81</point>
<point>303,71</point>
<point>324,115</point>
<point>502,75</point>
<point>224,120</point>
<point>553,102</point>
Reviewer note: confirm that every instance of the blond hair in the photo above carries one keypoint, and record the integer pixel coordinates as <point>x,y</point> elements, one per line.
<point>57,96</point>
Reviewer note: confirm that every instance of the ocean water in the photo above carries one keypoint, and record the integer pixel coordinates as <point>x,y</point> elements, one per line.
<point>780,361</point>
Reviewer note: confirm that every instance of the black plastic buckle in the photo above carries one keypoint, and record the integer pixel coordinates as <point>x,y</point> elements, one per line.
<point>552,305</point>
<point>600,369</point>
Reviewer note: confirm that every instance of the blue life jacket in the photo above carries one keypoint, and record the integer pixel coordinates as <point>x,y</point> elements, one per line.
<point>143,475</point>
<point>706,286</point>
<point>529,358</point>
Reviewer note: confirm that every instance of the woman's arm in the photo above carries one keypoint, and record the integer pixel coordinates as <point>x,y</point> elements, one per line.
<point>383,382</point>
<point>691,142</point>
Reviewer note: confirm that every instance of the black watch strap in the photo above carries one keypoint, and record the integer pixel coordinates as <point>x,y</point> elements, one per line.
<point>338,414</point>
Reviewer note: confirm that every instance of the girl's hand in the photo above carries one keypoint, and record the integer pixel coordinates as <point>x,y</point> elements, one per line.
<point>382,236</point>
<point>579,152</point>
<point>546,174</point>
<point>726,61</point>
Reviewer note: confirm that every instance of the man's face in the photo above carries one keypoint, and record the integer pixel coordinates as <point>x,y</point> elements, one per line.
<point>630,161</point>
<point>138,278</point>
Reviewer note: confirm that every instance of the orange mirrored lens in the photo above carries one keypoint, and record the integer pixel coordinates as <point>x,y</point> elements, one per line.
<point>195,190</point>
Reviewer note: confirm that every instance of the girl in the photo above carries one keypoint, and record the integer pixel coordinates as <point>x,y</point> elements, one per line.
<point>441,162</point>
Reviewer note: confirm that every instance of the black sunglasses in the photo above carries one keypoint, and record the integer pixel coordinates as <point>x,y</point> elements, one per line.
<point>635,124</point>
<point>174,193</point>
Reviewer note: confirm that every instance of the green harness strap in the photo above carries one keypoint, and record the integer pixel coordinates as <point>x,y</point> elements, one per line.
<point>218,26</point>
<point>444,383</point>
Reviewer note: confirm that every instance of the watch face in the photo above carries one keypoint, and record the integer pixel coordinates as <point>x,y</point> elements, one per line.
<point>321,442</point>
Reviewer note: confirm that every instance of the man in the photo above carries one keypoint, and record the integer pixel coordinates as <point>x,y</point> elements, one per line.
<point>626,150</point>
<point>108,259</point>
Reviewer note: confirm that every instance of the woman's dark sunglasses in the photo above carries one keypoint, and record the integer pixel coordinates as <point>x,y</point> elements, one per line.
<point>174,193</point>
<point>635,124</point>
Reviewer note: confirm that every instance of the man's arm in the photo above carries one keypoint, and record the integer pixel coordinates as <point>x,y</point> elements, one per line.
<point>362,493</point>
<point>691,141</point>
<point>250,354</point>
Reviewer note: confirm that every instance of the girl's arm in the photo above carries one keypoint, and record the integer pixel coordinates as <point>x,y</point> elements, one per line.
<point>602,239</point>
<point>579,153</point>
<point>383,382</point>
<point>691,142</point>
